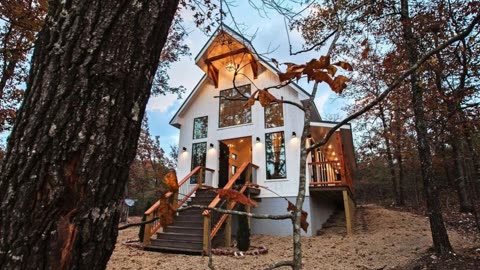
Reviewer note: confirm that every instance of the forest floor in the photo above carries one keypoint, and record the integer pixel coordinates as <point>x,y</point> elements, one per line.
<point>383,239</point>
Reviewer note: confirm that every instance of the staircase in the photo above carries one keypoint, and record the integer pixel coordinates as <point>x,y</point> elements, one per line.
<point>185,235</point>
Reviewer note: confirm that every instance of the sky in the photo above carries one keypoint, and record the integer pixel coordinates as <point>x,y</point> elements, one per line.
<point>270,34</point>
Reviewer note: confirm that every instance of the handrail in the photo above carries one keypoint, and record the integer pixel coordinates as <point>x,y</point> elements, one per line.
<point>207,235</point>
<point>152,212</point>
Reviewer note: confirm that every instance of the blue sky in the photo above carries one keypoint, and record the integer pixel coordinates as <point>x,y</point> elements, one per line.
<point>270,34</point>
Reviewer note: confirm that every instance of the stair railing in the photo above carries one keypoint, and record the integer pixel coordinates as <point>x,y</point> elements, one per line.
<point>208,232</point>
<point>153,212</point>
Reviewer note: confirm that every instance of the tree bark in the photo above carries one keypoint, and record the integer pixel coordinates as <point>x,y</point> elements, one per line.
<point>75,135</point>
<point>441,242</point>
<point>398,155</point>
<point>388,148</point>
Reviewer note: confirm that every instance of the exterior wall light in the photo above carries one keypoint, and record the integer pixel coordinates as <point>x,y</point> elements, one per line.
<point>294,134</point>
<point>258,139</point>
<point>211,145</point>
<point>184,149</point>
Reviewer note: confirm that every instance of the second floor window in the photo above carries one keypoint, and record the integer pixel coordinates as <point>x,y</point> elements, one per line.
<point>200,126</point>
<point>232,112</point>
<point>274,115</point>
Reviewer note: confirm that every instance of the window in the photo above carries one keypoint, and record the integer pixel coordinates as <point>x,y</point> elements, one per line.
<point>199,156</point>
<point>274,115</point>
<point>232,112</point>
<point>275,155</point>
<point>200,126</point>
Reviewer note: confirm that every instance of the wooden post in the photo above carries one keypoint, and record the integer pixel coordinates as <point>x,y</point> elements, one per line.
<point>228,231</point>
<point>175,200</point>
<point>348,211</point>
<point>341,158</point>
<point>147,231</point>
<point>206,234</point>
<point>200,177</point>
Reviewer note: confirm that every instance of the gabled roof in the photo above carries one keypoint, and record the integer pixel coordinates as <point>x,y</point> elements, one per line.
<point>224,29</point>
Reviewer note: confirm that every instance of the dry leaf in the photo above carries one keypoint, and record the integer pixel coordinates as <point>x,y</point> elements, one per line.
<point>364,42</point>
<point>344,65</point>
<point>324,61</point>
<point>339,83</point>
<point>303,222</point>
<point>171,180</point>
<point>331,69</point>
<point>274,61</point>
<point>265,98</point>
<point>249,102</point>
<point>233,195</point>
<point>365,52</point>
<point>322,76</point>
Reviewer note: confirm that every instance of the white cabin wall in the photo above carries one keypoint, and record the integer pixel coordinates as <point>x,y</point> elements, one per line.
<point>203,103</point>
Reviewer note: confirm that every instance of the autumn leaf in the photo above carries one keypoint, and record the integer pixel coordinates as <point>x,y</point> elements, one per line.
<point>274,61</point>
<point>321,76</point>
<point>249,102</point>
<point>324,61</point>
<point>331,69</point>
<point>365,52</point>
<point>233,195</point>
<point>339,83</point>
<point>171,181</point>
<point>165,212</point>
<point>344,65</point>
<point>265,98</point>
<point>303,221</point>
<point>364,42</point>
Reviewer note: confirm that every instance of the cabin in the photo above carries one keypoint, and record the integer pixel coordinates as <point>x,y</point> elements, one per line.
<point>224,145</point>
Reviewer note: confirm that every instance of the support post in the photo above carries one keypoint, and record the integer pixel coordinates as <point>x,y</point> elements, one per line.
<point>200,177</point>
<point>228,231</point>
<point>349,210</point>
<point>147,231</point>
<point>206,234</point>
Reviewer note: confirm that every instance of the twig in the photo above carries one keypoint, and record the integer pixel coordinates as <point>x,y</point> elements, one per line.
<point>238,213</point>
<point>137,224</point>
<point>280,264</point>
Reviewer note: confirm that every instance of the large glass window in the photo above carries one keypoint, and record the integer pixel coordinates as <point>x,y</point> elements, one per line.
<point>274,115</point>
<point>232,112</point>
<point>200,126</point>
<point>199,156</point>
<point>275,155</point>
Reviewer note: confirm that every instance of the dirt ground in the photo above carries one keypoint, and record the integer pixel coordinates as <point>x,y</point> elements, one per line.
<point>383,239</point>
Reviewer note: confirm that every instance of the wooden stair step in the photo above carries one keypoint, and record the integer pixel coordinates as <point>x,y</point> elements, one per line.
<point>184,229</point>
<point>180,236</point>
<point>188,251</point>
<point>177,243</point>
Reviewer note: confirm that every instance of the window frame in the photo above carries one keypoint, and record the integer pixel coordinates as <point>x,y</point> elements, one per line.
<point>284,155</point>
<point>193,179</point>
<point>249,91</point>
<point>193,129</point>
<point>265,115</point>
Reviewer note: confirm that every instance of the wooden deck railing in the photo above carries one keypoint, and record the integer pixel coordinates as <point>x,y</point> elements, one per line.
<point>208,232</point>
<point>153,211</point>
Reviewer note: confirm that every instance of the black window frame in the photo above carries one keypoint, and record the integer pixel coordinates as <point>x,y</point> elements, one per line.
<point>206,128</point>
<point>284,154</point>
<point>193,179</point>
<point>241,103</point>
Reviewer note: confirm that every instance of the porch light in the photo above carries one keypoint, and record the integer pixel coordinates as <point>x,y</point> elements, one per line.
<point>329,146</point>
<point>258,139</point>
<point>211,145</point>
<point>294,134</point>
<point>230,67</point>
<point>184,149</point>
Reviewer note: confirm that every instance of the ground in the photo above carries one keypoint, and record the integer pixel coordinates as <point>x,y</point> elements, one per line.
<point>383,239</point>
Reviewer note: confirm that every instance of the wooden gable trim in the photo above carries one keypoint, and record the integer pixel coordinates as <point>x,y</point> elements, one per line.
<point>213,74</point>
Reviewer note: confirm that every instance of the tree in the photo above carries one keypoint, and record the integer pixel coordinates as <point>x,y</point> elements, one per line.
<point>69,153</point>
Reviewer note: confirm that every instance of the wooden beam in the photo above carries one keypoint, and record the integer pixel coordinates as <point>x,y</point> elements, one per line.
<point>213,74</point>
<point>209,60</point>
<point>254,65</point>
<point>206,234</point>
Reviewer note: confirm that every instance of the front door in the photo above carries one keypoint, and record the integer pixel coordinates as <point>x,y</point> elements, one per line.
<point>223,165</point>
<point>233,153</point>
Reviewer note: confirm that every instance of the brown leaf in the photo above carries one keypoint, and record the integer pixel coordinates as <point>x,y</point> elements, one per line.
<point>322,76</point>
<point>364,42</point>
<point>365,52</point>
<point>324,61</point>
<point>274,61</point>
<point>331,69</point>
<point>339,83</point>
<point>344,65</point>
<point>233,195</point>
<point>171,180</point>
<point>265,98</point>
<point>303,221</point>
<point>249,102</point>
<point>166,212</point>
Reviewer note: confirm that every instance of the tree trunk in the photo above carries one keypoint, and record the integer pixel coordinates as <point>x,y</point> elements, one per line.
<point>441,242</point>
<point>388,148</point>
<point>75,135</point>
<point>398,156</point>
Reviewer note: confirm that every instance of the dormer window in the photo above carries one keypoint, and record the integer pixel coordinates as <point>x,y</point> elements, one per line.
<point>231,111</point>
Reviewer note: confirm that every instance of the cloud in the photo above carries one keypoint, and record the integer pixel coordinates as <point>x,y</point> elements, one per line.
<point>161,103</point>
<point>321,100</point>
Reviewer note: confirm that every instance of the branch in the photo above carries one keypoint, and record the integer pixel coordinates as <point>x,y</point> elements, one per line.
<point>280,264</point>
<point>320,43</point>
<point>397,82</point>
<point>238,213</point>
<point>137,224</point>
